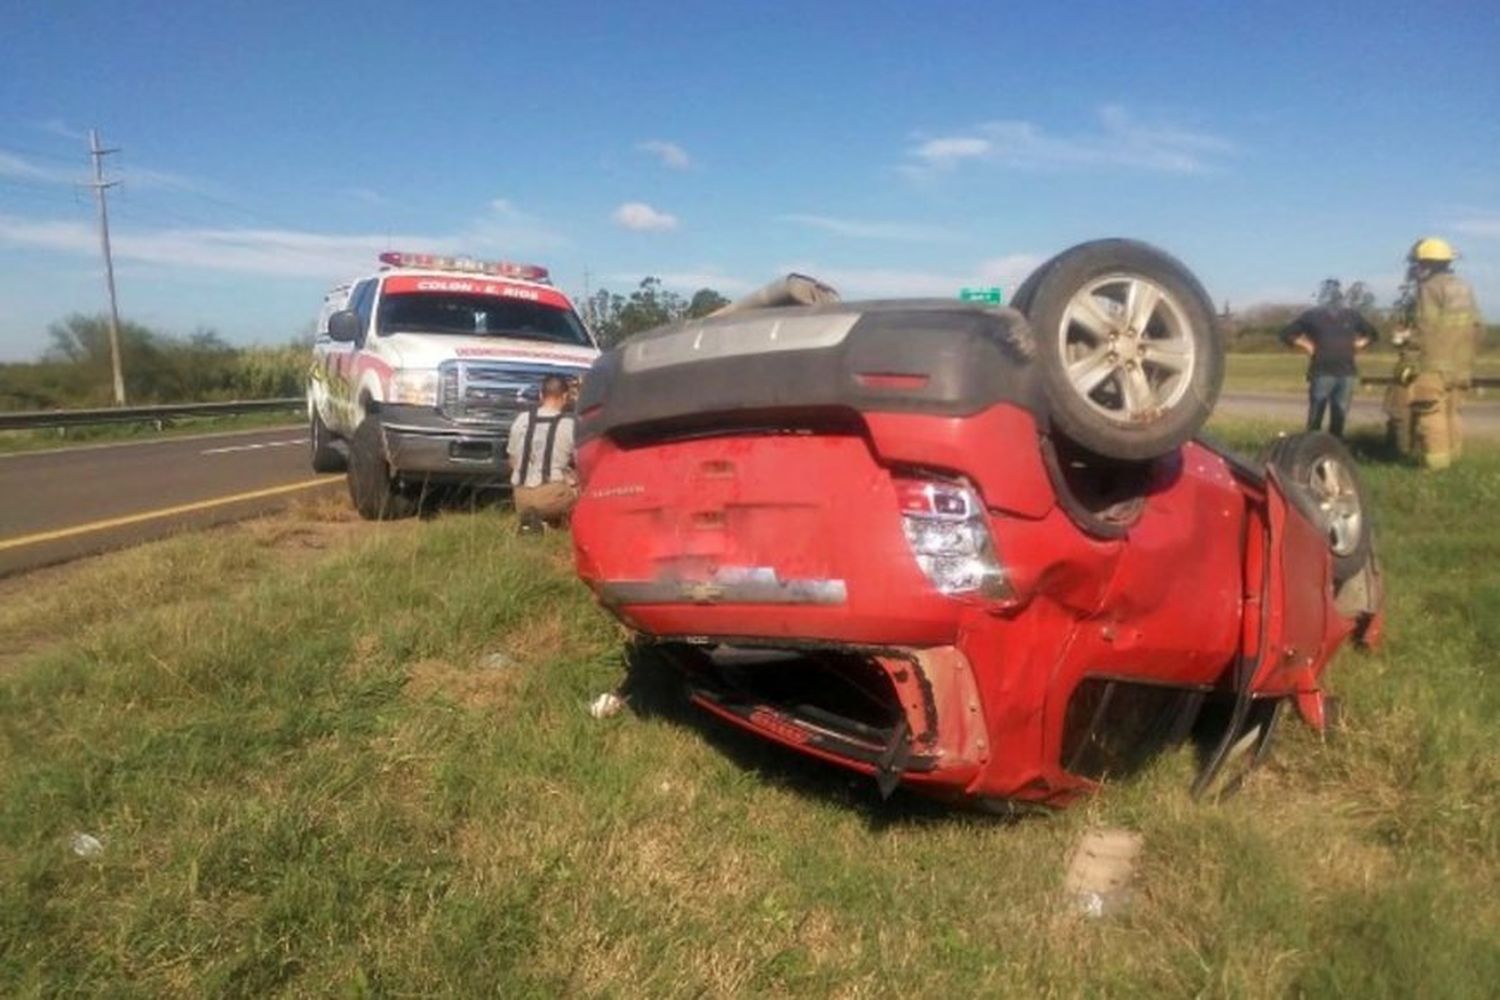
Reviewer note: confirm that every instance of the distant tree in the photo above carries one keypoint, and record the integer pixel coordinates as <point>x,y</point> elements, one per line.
<point>601,311</point>
<point>1359,297</point>
<point>1331,293</point>
<point>705,301</point>
<point>1403,306</point>
<point>649,306</point>
<point>1255,328</point>
<point>85,339</point>
<point>615,317</point>
<point>74,370</point>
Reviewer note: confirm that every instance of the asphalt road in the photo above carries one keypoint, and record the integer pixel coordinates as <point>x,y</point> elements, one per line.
<point>1481,417</point>
<point>58,505</point>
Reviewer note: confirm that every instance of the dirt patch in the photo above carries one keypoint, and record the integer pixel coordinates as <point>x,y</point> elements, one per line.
<point>308,528</point>
<point>537,639</point>
<point>472,687</point>
<point>299,541</point>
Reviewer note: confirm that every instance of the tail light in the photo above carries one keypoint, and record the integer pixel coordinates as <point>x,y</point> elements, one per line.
<point>948,537</point>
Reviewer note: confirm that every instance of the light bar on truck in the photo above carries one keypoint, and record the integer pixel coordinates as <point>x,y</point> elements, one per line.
<point>466,265</point>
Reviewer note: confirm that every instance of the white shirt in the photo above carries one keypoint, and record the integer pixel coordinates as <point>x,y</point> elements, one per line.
<point>562,448</point>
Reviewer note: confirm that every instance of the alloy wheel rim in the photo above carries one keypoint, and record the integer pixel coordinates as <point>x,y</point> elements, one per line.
<point>1127,348</point>
<point>1333,490</point>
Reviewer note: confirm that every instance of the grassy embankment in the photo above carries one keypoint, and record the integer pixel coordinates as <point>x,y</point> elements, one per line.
<point>309,773</point>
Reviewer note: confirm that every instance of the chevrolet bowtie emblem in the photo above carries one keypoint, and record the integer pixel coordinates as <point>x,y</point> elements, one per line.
<point>702,592</point>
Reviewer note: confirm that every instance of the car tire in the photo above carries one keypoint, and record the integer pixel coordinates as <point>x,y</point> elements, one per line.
<point>1021,300</point>
<point>326,457</point>
<point>1327,481</point>
<point>376,493</point>
<point>1131,360</point>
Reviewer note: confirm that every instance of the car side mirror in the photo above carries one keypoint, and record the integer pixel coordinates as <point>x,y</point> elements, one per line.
<point>343,326</point>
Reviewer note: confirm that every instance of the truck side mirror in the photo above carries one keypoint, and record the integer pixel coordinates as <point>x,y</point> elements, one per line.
<point>343,326</point>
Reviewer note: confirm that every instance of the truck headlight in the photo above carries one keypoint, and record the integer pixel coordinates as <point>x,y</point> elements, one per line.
<point>948,537</point>
<point>414,387</point>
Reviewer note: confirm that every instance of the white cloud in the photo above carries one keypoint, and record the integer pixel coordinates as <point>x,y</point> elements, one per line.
<point>641,217</point>
<point>1120,140</point>
<point>860,283</point>
<point>161,180</point>
<point>21,168</point>
<point>368,196</point>
<point>946,152</point>
<point>1483,225</point>
<point>901,231</point>
<point>669,153</point>
<point>279,252</point>
<point>58,127</point>
<point>24,168</point>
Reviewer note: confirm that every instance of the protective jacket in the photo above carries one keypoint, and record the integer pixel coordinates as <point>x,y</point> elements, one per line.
<point>1447,325</point>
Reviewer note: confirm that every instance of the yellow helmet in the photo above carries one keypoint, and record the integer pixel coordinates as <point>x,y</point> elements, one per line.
<point>1433,249</point>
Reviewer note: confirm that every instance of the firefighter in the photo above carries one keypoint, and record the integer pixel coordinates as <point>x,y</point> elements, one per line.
<point>1398,417</point>
<point>1445,327</point>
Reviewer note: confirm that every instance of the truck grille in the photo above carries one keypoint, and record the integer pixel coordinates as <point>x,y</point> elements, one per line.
<point>491,392</point>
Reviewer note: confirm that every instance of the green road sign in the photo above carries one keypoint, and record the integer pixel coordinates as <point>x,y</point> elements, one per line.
<point>989,296</point>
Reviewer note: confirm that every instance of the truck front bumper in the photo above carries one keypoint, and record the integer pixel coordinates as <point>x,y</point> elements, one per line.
<point>421,443</point>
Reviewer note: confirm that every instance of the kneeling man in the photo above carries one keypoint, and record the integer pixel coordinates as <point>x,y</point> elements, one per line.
<point>540,450</point>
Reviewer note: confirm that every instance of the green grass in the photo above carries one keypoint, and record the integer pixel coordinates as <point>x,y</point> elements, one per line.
<point>72,437</point>
<point>307,780</point>
<point>1287,371</point>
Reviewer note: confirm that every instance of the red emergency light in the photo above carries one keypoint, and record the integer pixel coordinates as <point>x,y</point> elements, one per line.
<point>466,265</point>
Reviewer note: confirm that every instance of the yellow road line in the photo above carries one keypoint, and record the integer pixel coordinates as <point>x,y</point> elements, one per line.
<point>150,515</point>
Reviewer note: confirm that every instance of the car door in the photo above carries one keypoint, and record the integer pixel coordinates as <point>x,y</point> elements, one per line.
<point>342,385</point>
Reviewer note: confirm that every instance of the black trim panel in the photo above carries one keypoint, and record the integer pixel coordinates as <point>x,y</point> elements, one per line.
<point>957,359</point>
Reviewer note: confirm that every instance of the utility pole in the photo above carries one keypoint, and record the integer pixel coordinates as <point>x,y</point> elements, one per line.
<point>100,185</point>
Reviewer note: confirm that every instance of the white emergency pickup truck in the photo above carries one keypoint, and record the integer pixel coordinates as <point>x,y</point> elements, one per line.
<point>420,368</point>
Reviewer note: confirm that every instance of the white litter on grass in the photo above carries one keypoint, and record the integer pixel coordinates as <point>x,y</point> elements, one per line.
<point>606,705</point>
<point>1100,871</point>
<point>497,661</point>
<point>86,845</point>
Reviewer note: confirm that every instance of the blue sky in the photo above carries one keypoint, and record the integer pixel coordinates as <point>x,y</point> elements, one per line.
<point>270,149</point>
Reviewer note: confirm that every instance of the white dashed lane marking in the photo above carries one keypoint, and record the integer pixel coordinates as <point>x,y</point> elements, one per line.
<point>254,447</point>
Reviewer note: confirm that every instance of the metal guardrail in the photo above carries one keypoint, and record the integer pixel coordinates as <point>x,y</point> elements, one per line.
<point>1478,383</point>
<point>28,420</point>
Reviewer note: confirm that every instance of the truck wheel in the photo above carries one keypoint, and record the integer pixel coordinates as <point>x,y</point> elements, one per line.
<point>1130,359</point>
<point>1319,467</point>
<point>326,457</point>
<point>377,495</point>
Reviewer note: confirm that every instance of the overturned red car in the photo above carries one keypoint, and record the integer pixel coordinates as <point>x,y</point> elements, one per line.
<point>980,552</point>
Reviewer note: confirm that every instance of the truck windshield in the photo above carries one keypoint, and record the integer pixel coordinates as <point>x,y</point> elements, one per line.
<point>478,315</point>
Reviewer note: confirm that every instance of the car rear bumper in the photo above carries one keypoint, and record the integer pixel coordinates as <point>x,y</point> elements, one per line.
<point>932,733</point>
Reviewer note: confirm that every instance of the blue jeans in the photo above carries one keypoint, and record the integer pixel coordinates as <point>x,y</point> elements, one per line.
<point>1332,393</point>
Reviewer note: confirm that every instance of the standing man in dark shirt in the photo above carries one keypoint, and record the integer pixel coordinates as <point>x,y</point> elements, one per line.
<point>1330,335</point>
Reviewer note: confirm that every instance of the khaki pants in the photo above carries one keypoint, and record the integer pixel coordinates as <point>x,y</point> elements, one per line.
<point>1436,425</point>
<point>553,501</point>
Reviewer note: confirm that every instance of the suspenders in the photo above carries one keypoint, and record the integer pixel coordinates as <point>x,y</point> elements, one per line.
<point>552,423</point>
